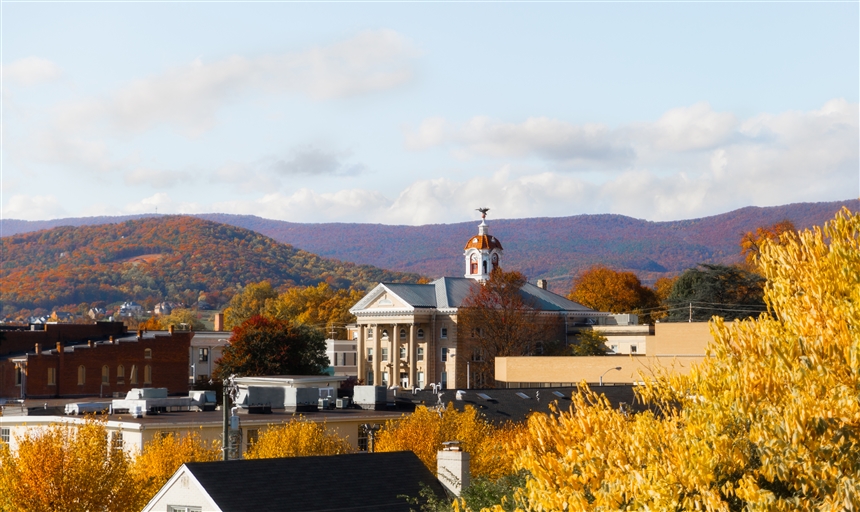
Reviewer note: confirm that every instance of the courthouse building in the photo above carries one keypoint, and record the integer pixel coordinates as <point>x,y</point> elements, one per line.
<point>407,334</point>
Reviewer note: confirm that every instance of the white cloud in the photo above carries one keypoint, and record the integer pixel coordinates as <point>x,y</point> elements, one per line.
<point>190,96</point>
<point>316,162</point>
<point>33,207</point>
<point>157,178</point>
<point>691,128</point>
<point>31,71</point>
<point>305,205</point>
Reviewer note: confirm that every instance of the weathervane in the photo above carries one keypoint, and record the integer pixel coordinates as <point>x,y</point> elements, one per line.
<point>483,212</point>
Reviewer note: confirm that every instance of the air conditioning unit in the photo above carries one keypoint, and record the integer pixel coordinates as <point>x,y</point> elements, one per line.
<point>342,403</point>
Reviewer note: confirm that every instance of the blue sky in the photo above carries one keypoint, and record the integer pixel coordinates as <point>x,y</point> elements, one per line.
<point>414,113</point>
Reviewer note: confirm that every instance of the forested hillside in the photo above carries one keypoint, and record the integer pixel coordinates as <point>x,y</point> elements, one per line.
<point>554,248</point>
<point>164,258</point>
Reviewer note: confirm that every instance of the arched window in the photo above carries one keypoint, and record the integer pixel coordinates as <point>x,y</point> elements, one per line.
<point>133,376</point>
<point>105,374</point>
<point>147,374</point>
<point>120,374</point>
<point>82,375</point>
<point>384,333</point>
<point>485,266</point>
<point>495,261</point>
<point>473,264</point>
<point>402,334</point>
<point>420,334</point>
<point>147,353</point>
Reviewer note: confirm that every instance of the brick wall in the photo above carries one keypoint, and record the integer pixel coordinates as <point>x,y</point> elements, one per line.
<point>169,363</point>
<point>19,342</point>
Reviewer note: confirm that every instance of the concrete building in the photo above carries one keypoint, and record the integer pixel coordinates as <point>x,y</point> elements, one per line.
<point>407,334</point>
<point>673,347</point>
<point>343,355</point>
<point>205,349</point>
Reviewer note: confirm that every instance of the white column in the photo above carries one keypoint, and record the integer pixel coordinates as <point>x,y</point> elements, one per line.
<point>411,358</point>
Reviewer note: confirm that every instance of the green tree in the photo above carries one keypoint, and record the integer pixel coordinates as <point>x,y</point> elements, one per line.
<point>251,301</point>
<point>264,346</point>
<point>715,290</point>
<point>589,343</point>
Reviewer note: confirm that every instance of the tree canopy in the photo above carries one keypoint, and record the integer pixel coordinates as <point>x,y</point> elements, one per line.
<point>715,290</point>
<point>499,322</point>
<point>265,346</point>
<point>752,241</point>
<point>589,343</point>
<point>771,421</point>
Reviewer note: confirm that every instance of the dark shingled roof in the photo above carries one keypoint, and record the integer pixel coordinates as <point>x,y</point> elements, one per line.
<point>353,482</point>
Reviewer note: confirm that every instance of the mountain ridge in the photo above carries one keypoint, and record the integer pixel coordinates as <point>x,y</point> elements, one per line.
<point>555,248</point>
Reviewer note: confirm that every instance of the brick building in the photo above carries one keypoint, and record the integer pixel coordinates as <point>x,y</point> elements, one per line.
<point>86,361</point>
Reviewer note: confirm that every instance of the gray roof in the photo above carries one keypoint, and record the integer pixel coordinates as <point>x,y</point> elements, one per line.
<point>451,292</point>
<point>355,482</point>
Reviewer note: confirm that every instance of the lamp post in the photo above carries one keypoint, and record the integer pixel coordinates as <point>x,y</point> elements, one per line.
<point>607,371</point>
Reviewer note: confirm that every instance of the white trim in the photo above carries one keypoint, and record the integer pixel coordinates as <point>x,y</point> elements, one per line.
<point>173,479</point>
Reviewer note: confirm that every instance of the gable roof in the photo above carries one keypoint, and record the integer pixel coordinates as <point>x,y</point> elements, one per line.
<point>450,292</point>
<point>352,482</point>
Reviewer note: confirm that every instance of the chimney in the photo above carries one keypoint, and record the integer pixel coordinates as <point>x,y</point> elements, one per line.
<point>541,283</point>
<point>139,334</point>
<point>452,468</point>
<point>111,340</point>
<point>219,322</point>
<point>59,347</point>
<point>38,349</point>
<point>170,329</point>
<point>90,343</point>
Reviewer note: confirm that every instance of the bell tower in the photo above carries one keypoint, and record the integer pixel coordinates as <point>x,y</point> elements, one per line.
<point>483,252</point>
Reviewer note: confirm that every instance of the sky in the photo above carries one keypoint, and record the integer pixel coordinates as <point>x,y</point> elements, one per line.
<point>418,113</point>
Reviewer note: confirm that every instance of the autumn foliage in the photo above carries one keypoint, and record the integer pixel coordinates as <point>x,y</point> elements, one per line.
<point>162,456</point>
<point>297,438</point>
<point>603,289</point>
<point>424,431</point>
<point>771,421</point>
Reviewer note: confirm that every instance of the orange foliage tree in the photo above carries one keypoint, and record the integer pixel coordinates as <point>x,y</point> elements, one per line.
<point>604,289</point>
<point>752,241</point>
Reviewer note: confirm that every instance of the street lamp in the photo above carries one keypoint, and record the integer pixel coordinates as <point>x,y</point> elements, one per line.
<point>607,371</point>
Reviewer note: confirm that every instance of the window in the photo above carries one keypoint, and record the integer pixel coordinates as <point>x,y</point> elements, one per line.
<point>420,354</point>
<point>370,333</point>
<point>444,333</point>
<point>444,355</point>
<point>402,334</point>
<point>183,508</point>
<point>385,380</point>
<point>253,435</point>
<point>370,355</point>
<point>105,374</point>
<point>369,378</point>
<point>4,435</point>
<point>19,375</point>
<point>477,354</point>
<point>365,434</point>
<point>52,376</point>
<point>420,334</point>
<point>473,264</point>
<point>495,261</point>
<point>133,377</point>
<point>485,266</point>
<point>444,380</point>
<point>420,379</point>
<point>334,361</point>
<point>147,353</point>
<point>343,359</point>
<point>203,355</point>
<point>147,374</point>
<point>384,354</point>
<point>402,352</point>
<point>632,349</point>
<point>117,441</point>
<point>82,375</point>
<point>384,333</point>
<point>120,374</point>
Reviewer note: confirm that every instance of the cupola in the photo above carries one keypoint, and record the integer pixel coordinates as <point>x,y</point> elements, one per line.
<point>483,252</point>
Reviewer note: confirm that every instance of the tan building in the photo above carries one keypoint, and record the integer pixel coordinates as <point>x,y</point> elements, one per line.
<point>407,334</point>
<point>671,346</point>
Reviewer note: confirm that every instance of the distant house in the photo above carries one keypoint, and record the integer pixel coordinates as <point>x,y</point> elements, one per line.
<point>96,313</point>
<point>163,308</point>
<point>354,482</point>
<point>130,309</point>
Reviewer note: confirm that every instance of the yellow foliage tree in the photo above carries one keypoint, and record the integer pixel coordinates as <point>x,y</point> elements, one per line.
<point>183,319</point>
<point>604,289</point>
<point>424,431</point>
<point>752,242</point>
<point>251,301</point>
<point>298,438</point>
<point>67,468</point>
<point>770,421</point>
<point>320,306</point>
<point>162,456</point>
